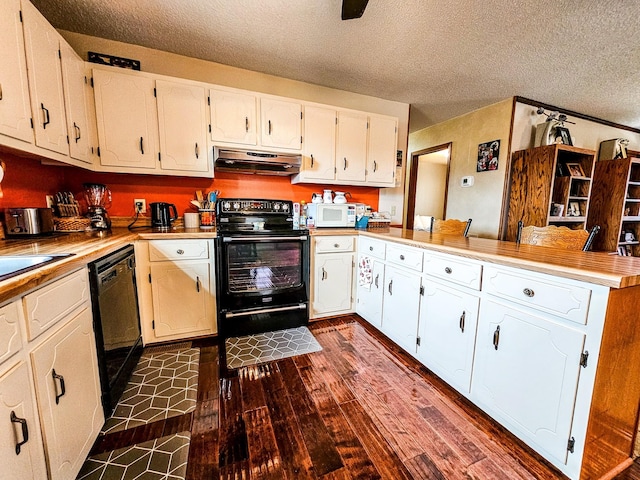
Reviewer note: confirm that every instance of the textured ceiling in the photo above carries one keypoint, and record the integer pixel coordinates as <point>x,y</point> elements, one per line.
<point>445,58</point>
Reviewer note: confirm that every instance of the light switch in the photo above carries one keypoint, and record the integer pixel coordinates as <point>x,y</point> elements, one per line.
<point>467,181</point>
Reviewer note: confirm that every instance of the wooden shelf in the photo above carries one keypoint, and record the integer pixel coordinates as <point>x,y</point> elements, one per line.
<point>629,243</point>
<point>632,200</point>
<point>567,219</point>
<point>631,219</point>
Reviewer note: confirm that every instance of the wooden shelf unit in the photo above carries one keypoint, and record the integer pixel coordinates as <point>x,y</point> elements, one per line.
<point>615,204</point>
<point>540,178</point>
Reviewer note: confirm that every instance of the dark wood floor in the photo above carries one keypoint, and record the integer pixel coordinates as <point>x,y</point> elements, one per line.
<point>360,408</point>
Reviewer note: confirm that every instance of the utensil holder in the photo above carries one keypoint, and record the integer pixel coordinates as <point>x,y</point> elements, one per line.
<point>207,218</point>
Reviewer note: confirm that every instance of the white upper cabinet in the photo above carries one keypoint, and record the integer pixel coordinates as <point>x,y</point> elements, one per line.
<point>381,156</point>
<point>281,123</point>
<point>127,120</point>
<point>233,117</point>
<point>319,160</point>
<point>78,94</point>
<point>15,113</point>
<point>351,147</point>
<point>182,121</point>
<point>42,44</point>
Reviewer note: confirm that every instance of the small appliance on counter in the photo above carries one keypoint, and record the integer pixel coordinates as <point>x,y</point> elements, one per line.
<point>98,198</point>
<point>161,215</point>
<point>332,215</point>
<point>28,221</point>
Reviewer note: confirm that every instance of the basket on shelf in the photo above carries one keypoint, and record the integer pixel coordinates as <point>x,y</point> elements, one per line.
<point>71,224</point>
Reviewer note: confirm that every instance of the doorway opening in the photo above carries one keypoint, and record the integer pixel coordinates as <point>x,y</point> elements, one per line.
<point>428,183</point>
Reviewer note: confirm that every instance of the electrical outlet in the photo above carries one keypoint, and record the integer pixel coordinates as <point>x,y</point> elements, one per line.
<point>140,205</point>
<point>49,200</point>
<point>393,210</point>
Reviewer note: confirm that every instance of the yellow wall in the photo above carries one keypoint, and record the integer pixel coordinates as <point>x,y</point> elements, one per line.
<point>483,201</point>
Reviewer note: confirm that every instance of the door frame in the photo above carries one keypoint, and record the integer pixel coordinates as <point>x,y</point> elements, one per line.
<point>413,180</point>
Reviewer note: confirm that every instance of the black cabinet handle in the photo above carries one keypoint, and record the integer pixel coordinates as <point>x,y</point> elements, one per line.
<point>77,130</point>
<point>141,145</point>
<point>25,430</point>
<point>197,150</point>
<point>528,292</point>
<point>375,166</point>
<point>198,284</point>
<point>496,337</point>
<point>401,257</point>
<point>391,287</point>
<point>462,319</point>
<point>376,280</point>
<point>324,274</point>
<point>63,390</point>
<point>311,160</point>
<point>447,270</point>
<point>0,91</point>
<point>269,127</point>
<point>46,116</point>
<point>345,163</point>
<point>246,124</point>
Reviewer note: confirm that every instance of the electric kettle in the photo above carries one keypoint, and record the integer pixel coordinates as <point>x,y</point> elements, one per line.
<point>161,214</point>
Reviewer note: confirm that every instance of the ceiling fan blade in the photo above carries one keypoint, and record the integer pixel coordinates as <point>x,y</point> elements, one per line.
<point>353,8</point>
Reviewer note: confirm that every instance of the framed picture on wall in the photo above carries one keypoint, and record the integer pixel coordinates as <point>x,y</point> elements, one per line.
<point>488,154</point>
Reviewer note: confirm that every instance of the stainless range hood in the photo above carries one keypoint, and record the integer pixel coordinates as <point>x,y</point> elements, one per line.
<point>255,162</point>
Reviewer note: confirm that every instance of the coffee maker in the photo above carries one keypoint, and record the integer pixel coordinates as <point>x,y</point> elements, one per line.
<point>98,198</point>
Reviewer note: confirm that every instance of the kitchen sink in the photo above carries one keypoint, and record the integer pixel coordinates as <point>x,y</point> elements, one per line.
<point>12,265</point>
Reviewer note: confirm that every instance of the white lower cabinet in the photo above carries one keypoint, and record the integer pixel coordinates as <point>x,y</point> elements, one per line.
<point>447,332</point>
<point>526,374</point>
<point>178,300</point>
<point>370,297</point>
<point>65,369</point>
<point>401,306</point>
<point>332,275</point>
<point>21,451</point>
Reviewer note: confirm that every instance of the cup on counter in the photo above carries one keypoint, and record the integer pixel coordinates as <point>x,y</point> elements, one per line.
<point>207,218</point>
<point>191,220</point>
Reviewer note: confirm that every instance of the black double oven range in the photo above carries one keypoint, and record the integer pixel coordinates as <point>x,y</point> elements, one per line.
<point>262,266</point>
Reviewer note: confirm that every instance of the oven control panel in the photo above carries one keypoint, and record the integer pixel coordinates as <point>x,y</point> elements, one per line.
<point>246,206</point>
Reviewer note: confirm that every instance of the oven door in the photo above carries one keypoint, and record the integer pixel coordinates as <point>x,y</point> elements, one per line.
<point>263,283</point>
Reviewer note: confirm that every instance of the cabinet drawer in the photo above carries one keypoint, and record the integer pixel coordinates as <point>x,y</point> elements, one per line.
<point>10,339</point>
<point>406,256</point>
<point>544,293</point>
<point>454,270</point>
<point>337,243</point>
<point>46,306</point>
<point>372,247</point>
<point>161,250</point>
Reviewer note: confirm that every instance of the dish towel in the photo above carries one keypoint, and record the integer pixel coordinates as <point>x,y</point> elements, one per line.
<point>365,272</point>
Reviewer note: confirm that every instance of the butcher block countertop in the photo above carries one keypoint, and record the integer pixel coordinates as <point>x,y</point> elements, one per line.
<point>594,267</point>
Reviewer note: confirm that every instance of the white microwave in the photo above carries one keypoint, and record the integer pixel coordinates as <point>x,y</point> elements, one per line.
<point>331,215</point>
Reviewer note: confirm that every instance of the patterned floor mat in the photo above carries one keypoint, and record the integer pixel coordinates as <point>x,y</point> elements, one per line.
<point>160,459</point>
<point>164,384</point>
<point>266,347</point>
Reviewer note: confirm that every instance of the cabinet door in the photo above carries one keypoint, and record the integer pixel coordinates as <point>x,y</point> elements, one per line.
<point>77,94</point>
<point>526,374</point>
<point>281,124</point>
<point>333,279</point>
<point>18,418</point>
<point>351,147</point>
<point>182,120</point>
<point>127,120</point>
<point>381,156</point>
<point>448,320</point>
<point>15,112</point>
<point>233,117</point>
<point>401,306</point>
<point>319,143</point>
<point>42,44</point>
<point>369,298</point>
<point>182,299</point>
<point>68,390</point>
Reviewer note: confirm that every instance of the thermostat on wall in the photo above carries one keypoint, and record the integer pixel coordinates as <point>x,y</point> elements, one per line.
<point>467,181</point>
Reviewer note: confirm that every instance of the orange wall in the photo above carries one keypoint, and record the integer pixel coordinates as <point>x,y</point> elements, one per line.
<point>27,182</point>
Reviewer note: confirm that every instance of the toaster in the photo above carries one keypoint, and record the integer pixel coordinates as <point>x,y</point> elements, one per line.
<point>28,221</point>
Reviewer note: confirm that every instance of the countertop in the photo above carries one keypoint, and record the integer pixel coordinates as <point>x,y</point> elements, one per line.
<point>594,267</point>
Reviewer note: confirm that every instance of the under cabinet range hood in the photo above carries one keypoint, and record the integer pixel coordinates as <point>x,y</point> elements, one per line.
<point>255,162</point>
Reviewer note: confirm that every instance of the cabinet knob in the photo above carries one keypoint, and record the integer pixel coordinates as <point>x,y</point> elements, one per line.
<point>401,257</point>
<point>336,245</point>
<point>528,292</point>
<point>371,249</point>
<point>180,251</point>
<point>448,270</point>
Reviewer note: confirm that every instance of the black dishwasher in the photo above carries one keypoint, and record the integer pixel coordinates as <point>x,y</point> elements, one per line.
<point>116,322</point>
